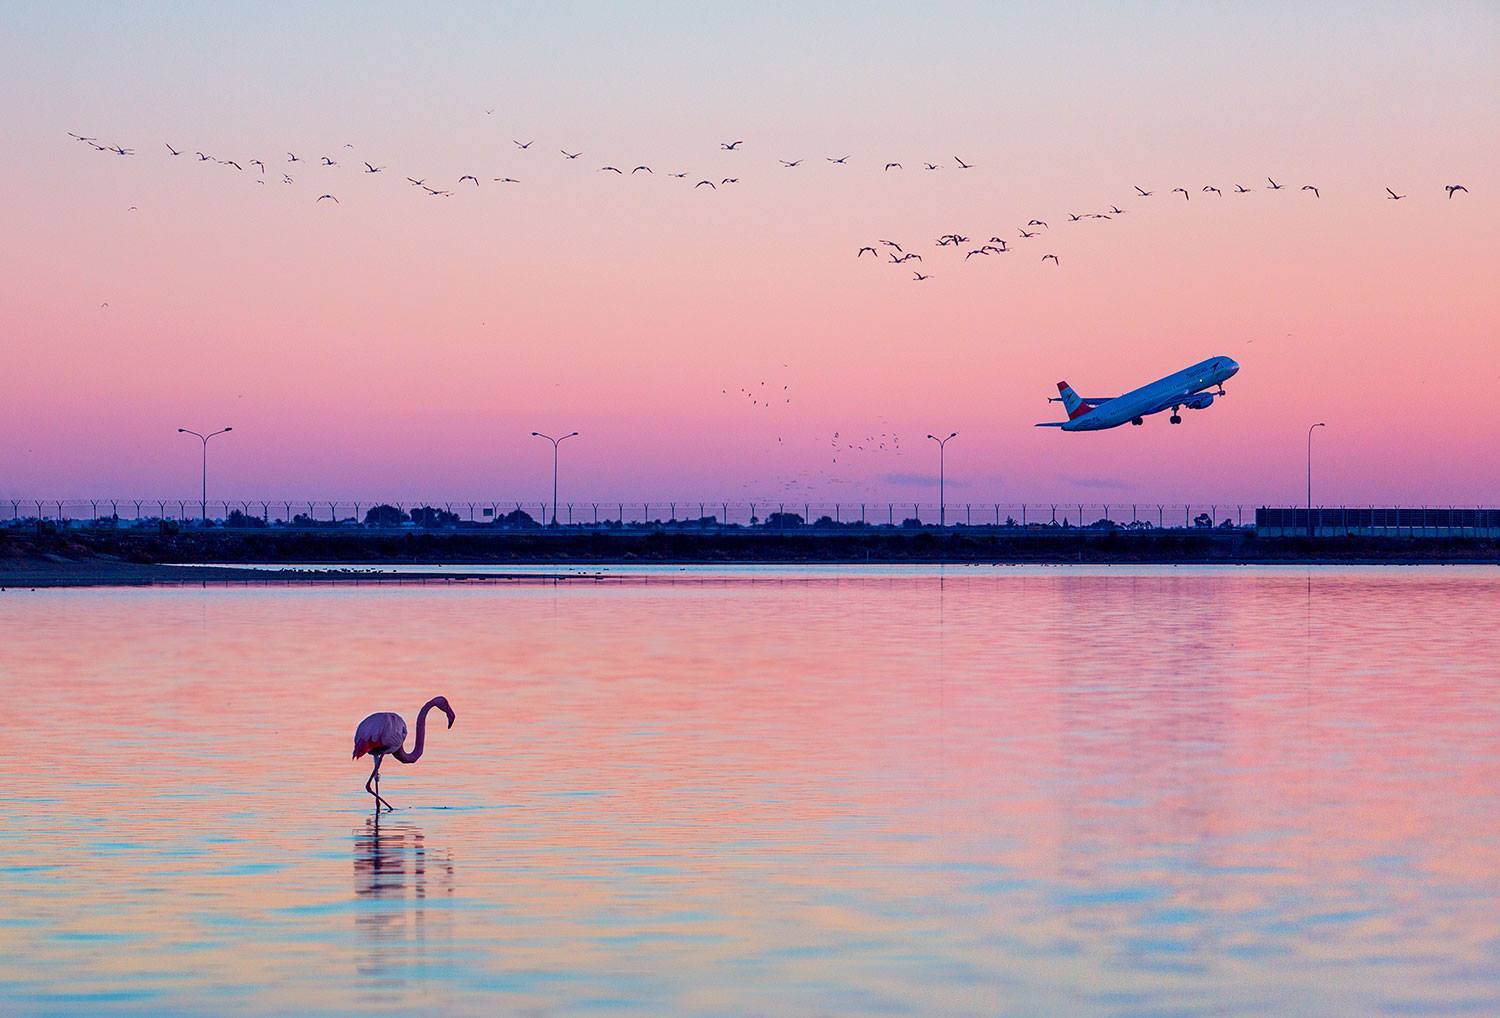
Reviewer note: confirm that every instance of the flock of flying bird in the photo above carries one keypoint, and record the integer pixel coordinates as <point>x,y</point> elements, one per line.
<point>895,253</point>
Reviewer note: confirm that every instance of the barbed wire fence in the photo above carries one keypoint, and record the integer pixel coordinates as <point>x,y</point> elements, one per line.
<point>726,514</point>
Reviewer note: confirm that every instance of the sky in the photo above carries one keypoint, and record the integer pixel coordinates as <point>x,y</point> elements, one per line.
<point>396,345</point>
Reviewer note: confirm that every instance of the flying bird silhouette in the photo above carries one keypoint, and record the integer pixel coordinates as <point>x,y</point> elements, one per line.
<point>1038,222</point>
<point>917,277</point>
<point>329,162</point>
<point>469,176</point>
<point>505,180</point>
<point>1143,192</point>
<point>1185,195</point>
<point>384,734</point>
<point>373,169</point>
<point>322,196</point>
<point>837,162</point>
<point>963,165</point>
<point>1394,195</point>
<point>1241,190</point>
<point>611,169</point>
<point>570,155</point>
<point>789,165</point>
<point>889,166</point>
<point>700,183</point>
<point>730,180</point>
<point>640,168</point>
<point>290,157</point>
<point>1314,190</point>
<point>730,146</point>
<point>1274,186</point>
<point>1450,188</point>
<point>1215,190</point>
<point>172,150</point>
<point>525,146</point>
<point>861,250</point>
<point>1053,257</point>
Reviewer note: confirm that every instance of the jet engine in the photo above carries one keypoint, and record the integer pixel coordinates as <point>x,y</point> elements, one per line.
<point>1199,401</point>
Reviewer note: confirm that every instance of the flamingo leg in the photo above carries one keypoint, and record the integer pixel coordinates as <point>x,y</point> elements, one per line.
<point>375,777</point>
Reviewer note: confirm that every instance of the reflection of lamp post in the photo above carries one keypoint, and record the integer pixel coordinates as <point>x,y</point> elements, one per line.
<point>942,450</point>
<point>203,505</point>
<point>555,443</point>
<point>1320,424</point>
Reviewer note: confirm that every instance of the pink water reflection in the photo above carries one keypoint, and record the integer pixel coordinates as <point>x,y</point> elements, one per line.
<point>983,791</point>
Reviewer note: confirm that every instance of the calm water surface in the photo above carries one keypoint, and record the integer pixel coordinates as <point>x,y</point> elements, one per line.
<point>961,791</point>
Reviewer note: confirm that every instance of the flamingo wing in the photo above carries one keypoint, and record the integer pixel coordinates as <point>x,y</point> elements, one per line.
<point>384,732</point>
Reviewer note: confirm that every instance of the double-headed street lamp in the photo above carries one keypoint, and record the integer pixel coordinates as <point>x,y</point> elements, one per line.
<point>203,506</point>
<point>555,443</point>
<point>1320,424</point>
<point>942,450</point>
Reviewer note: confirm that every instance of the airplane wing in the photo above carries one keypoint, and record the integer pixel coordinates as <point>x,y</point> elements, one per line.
<point>1090,400</point>
<point>1050,424</point>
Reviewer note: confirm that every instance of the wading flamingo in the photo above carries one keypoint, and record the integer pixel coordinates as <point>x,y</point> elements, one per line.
<point>385,733</point>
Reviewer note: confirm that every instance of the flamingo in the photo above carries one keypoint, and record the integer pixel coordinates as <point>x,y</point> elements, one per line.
<point>385,733</point>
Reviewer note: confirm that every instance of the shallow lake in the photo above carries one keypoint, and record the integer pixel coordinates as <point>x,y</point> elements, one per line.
<point>773,791</point>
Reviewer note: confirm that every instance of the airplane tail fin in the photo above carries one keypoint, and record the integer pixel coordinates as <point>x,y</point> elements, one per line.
<point>1070,401</point>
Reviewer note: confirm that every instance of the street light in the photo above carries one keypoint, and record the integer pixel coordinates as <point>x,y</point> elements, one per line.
<point>942,451</point>
<point>1320,424</point>
<point>555,443</point>
<point>203,506</point>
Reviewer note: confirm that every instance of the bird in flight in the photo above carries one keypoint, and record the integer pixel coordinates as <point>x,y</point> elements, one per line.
<point>789,165</point>
<point>906,257</point>
<point>231,162</point>
<point>837,162</point>
<point>418,183</point>
<point>730,180</point>
<point>1314,190</point>
<point>891,243</point>
<point>976,251</point>
<point>700,183</point>
<point>370,168</point>
<point>679,176</point>
<point>1073,217</point>
<point>1038,222</point>
<point>1241,190</point>
<point>890,166</point>
<point>931,166</point>
<point>730,146</point>
<point>862,250</point>
<point>469,176</point>
<point>291,157</point>
<point>1025,235</point>
<point>525,146</point>
<point>640,168</point>
<point>1215,190</point>
<point>1450,188</point>
<point>117,150</point>
<point>257,162</point>
<point>286,178</point>
<point>917,277</point>
<point>570,155</point>
<point>172,150</point>
<point>1185,195</point>
<point>963,165</point>
<point>1394,195</point>
<point>611,169</point>
<point>505,180</point>
<point>1117,210</point>
<point>1274,186</point>
<point>1143,192</point>
<point>1053,257</point>
<point>329,162</point>
<point>322,196</point>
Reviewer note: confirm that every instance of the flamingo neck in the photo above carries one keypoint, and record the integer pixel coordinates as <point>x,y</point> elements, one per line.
<point>416,749</point>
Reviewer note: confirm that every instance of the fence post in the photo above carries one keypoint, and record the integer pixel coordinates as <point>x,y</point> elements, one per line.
<point>890,514</point>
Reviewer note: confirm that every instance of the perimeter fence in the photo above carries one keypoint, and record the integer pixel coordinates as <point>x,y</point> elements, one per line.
<point>770,514</point>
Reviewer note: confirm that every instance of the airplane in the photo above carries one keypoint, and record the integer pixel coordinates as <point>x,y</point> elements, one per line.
<point>1186,388</point>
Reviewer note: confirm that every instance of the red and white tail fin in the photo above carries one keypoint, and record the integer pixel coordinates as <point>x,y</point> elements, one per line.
<point>1075,406</point>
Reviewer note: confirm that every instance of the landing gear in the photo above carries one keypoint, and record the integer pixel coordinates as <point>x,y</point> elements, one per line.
<point>1175,418</point>
<point>1137,422</point>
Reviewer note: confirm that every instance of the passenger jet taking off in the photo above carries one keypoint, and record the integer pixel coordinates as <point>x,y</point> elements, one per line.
<point>1187,388</point>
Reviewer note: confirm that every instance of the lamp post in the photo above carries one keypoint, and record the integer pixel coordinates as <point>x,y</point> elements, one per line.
<point>1320,424</point>
<point>203,505</point>
<point>942,451</point>
<point>555,443</point>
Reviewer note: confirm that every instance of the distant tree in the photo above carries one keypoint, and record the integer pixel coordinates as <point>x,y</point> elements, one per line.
<point>385,516</point>
<point>1228,524</point>
<point>1203,520</point>
<point>239,519</point>
<point>825,522</point>
<point>517,518</point>
<point>911,523</point>
<point>427,516</point>
<point>1010,521</point>
<point>784,521</point>
<point>303,520</point>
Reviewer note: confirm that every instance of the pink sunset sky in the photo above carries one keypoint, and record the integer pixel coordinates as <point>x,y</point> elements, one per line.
<point>397,345</point>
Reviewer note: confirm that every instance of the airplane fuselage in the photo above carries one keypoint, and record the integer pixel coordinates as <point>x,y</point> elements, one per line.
<point>1185,388</point>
